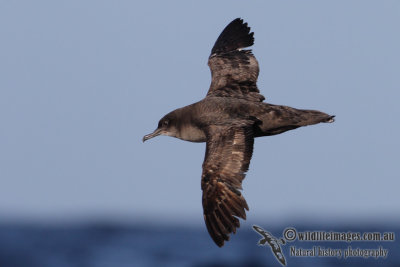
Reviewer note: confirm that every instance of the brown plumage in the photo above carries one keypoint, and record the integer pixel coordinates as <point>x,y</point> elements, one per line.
<point>228,153</point>
<point>234,72</point>
<point>228,119</point>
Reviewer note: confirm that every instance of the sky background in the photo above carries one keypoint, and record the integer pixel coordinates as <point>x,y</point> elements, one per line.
<point>81,82</point>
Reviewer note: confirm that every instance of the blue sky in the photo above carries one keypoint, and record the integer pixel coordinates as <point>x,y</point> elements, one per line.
<point>83,81</point>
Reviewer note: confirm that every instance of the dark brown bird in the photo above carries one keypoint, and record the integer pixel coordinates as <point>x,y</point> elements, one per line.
<point>228,119</point>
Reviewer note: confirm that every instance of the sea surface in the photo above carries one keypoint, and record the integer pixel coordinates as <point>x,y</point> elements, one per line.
<point>124,245</point>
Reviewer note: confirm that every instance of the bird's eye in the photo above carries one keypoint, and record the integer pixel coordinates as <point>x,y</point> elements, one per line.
<point>166,123</point>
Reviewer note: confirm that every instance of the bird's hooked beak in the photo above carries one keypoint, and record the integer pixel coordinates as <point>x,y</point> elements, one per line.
<point>157,132</point>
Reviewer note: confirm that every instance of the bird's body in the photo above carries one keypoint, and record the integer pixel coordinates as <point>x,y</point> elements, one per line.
<point>268,119</point>
<point>228,119</point>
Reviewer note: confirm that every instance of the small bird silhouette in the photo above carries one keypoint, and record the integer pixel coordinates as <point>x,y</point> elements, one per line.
<point>273,242</point>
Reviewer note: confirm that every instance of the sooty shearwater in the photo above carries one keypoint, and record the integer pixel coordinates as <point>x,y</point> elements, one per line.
<point>228,119</point>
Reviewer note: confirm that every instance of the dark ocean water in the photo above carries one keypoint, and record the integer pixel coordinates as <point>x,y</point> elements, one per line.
<point>115,245</point>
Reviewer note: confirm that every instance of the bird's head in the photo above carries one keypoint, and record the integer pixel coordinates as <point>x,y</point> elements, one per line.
<point>166,126</point>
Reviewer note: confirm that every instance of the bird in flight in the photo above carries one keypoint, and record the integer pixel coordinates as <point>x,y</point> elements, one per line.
<point>228,119</point>
<point>273,242</point>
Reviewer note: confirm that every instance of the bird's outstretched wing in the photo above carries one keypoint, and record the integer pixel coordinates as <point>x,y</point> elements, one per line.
<point>234,71</point>
<point>228,153</point>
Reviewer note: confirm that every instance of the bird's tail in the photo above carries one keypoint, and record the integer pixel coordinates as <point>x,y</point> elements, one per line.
<point>310,117</point>
<point>279,119</point>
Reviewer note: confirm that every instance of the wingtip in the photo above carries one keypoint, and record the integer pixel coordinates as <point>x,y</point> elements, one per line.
<point>236,35</point>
